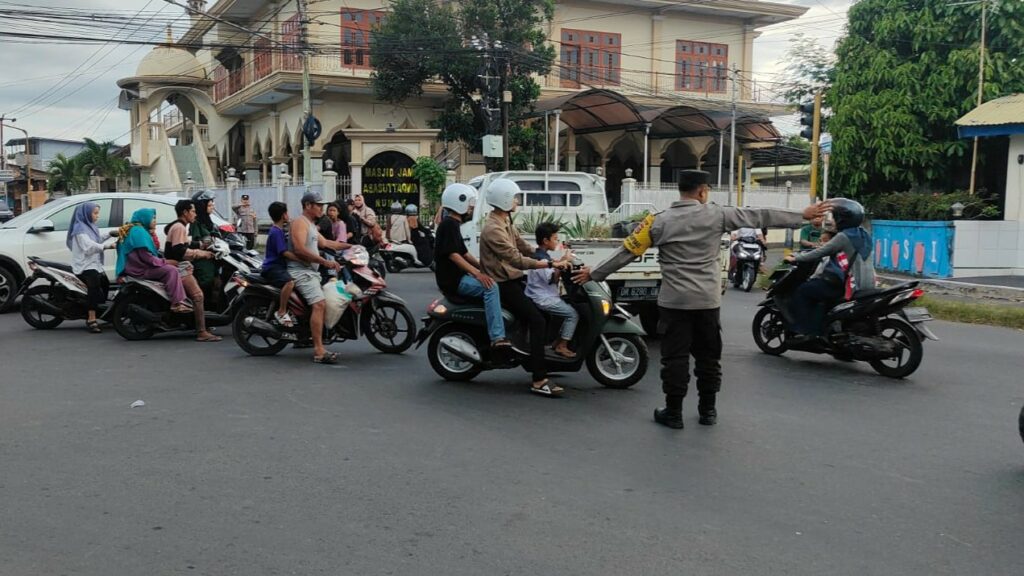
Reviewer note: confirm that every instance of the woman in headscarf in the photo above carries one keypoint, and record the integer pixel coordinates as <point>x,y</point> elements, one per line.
<point>87,249</point>
<point>202,229</point>
<point>137,257</point>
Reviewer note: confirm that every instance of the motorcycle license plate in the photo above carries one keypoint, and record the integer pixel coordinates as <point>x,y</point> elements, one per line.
<point>633,293</point>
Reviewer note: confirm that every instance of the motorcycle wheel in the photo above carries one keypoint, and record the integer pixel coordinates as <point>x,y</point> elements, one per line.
<point>34,315</point>
<point>124,324</point>
<point>911,351</point>
<point>749,277</point>
<point>1020,423</point>
<point>769,331</point>
<point>389,327</point>
<point>447,365</point>
<point>250,342</point>
<point>632,366</point>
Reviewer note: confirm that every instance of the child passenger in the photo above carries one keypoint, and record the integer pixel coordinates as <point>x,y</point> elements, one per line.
<point>542,288</point>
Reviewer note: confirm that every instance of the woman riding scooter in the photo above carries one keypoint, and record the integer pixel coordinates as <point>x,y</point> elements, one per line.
<point>849,269</point>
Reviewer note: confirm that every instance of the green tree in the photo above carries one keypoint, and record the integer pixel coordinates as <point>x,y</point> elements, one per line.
<point>66,174</point>
<point>432,176</point>
<point>97,157</point>
<point>905,71</point>
<point>810,68</point>
<point>423,41</point>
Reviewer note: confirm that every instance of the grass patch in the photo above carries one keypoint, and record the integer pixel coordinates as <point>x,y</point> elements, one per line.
<point>973,313</point>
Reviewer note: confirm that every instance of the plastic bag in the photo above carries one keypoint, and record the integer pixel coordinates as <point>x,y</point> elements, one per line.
<point>335,301</point>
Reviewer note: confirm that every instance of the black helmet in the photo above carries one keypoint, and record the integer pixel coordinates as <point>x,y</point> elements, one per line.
<point>847,213</point>
<point>202,196</point>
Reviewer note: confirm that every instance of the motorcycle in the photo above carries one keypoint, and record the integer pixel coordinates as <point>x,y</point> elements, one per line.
<point>54,294</point>
<point>607,340</point>
<point>379,315</point>
<point>399,256</point>
<point>142,307</point>
<point>747,254</point>
<point>876,326</point>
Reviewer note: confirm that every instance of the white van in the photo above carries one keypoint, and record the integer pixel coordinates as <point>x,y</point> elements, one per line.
<point>561,194</point>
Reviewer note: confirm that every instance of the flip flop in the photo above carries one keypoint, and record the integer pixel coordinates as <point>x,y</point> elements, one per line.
<point>327,358</point>
<point>93,327</point>
<point>546,389</point>
<point>208,338</point>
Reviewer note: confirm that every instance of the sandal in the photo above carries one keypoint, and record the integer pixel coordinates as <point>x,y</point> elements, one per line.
<point>285,320</point>
<point>547,389</point>
<point>93,327</point>
<point>327,358</point>
<point>208,337</point>
<point>564,353</point>
<point>503,343</point>
<point>181,309</point>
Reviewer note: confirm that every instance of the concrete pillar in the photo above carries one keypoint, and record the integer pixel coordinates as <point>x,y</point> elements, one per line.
<point>450,177</point>
<point>654,175</point>
<point>232,188</point>
<point>330,179</point>
<point>357,178</point>
<point>283,180</point>
<point>1015,179</point>
<point>628,190</point>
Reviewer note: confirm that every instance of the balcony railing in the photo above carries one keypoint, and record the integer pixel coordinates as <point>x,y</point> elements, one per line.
<point>228,83</point>
<point>631,82</point>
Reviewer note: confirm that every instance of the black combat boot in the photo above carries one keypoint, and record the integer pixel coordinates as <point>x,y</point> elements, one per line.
<point>706,410</point>
<point>672,414</point>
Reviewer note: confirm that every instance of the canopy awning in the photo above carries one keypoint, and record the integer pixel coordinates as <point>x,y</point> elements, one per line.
<point>1000,117</point>
<point>600,110</point>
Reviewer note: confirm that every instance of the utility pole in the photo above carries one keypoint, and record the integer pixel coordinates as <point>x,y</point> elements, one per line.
<point>307,105</point>
<point>3,145</point>
<point>981,87</point>
<point>815,149</point>
<point>732,141</point>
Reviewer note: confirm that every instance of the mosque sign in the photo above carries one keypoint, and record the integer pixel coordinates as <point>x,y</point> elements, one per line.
<point>388,178</point>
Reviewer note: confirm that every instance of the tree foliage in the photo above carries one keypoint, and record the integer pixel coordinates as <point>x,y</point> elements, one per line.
<point>66,175</point>
<point>905,71</point>
<point>72,174</point>
<point>423,41</point>
<point>432,176</point>
<point>810,68</point>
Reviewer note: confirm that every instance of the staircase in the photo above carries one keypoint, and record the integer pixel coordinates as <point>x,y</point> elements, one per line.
<point>186,160</point>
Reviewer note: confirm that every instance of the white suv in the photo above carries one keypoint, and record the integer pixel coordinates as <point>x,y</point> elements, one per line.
<point>43,232</point>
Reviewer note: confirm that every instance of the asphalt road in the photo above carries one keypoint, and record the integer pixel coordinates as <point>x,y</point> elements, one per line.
<point>259,466</point>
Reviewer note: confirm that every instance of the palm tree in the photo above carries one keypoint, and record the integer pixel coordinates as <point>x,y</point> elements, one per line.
<point>67,174</point>
<point>97,160</point>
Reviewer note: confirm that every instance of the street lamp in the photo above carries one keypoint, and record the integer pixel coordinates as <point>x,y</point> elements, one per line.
<point>958,209</point>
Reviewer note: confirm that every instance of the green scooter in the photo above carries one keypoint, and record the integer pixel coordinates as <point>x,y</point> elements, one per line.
<point>607,338</point>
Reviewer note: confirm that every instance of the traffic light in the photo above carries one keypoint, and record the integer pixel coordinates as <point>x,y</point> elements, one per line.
<point>807,119</point>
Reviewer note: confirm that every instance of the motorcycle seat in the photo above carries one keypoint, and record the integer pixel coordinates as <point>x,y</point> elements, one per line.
<point>881,292</point>
<point>52,264</point>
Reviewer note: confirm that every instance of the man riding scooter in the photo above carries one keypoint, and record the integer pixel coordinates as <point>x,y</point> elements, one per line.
<point>849,269</point>
<point>305,242</point>
<point>459,273</point>
<point>504,256</point>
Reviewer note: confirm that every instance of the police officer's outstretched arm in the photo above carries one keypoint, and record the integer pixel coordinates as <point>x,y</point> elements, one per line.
<point>736,218</point>
<point>632,247</point>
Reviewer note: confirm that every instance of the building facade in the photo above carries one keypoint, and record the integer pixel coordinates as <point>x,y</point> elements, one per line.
<point>646,80</point>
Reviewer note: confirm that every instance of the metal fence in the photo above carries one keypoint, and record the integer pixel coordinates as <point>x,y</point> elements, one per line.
<point>660,198</point>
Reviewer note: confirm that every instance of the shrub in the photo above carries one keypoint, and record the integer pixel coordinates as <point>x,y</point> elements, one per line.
<point>924,206</point>
<point>527,222</point>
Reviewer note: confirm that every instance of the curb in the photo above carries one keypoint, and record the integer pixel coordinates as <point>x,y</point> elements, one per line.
<point>964,289</point>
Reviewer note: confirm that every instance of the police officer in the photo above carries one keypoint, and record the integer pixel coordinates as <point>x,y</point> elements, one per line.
<point>688,236</point>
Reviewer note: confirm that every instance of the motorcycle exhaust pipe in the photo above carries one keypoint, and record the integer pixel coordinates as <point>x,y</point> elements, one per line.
<point>46,306</point>
<point>262,327</point>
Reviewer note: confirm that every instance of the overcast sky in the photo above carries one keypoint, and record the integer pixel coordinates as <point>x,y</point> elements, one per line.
<point>85,102</point>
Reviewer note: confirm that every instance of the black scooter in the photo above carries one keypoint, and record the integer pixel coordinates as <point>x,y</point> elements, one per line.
<point>53,294</point>
<point>142,308</point>
<point>607,338</point>
<point>875,326</point>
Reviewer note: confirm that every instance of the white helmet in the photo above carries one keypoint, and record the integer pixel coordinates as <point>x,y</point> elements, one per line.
<point>502,194</point>
<point>458,198</point>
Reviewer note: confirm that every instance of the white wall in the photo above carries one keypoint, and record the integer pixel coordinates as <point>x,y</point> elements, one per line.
<point>988,248</point>
<point>1015,180</point>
